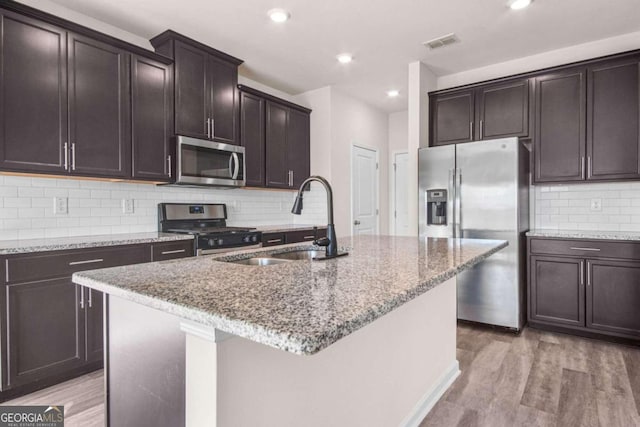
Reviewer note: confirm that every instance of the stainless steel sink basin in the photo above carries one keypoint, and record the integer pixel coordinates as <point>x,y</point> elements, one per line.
<point>299,255</point>
<point>260,261</point>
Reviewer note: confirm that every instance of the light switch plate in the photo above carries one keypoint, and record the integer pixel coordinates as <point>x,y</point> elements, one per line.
<point>596,205</point>
<point>127,206</point>
<point>60,206</point>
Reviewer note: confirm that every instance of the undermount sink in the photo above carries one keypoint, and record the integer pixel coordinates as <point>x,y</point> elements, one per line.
<point>260,261</point>
<point>299,255</point>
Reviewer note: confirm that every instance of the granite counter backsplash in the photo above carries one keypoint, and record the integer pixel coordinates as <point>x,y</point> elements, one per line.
<point>584,234</point>
<point>301,306</point>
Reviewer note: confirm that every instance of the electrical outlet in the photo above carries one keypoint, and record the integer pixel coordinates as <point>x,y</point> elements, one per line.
<point>60,206</point>
<point>127,206</point>
<point>596,205</point>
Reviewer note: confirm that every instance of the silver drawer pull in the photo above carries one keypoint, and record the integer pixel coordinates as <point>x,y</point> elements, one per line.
<point>89,261</point>
<point>309,237</point>
<point>177,251</point>
<point>274,240</point>
<point>586,249</point>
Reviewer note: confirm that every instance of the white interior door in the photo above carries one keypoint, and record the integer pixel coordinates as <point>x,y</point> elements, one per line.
<point>364,179</point>
<point>400,194</point>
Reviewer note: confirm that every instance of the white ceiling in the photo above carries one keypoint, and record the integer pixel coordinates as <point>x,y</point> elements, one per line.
<point>383,36</point>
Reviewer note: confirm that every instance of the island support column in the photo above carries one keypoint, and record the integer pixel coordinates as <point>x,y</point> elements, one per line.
<point>388,373</point>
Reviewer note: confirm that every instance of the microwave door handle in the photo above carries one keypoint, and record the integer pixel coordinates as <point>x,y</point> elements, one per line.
<point>236,165</point>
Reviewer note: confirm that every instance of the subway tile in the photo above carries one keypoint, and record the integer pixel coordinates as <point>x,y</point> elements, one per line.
<point>17,202</point>
<point>8,213</point>
<point>30,192</point>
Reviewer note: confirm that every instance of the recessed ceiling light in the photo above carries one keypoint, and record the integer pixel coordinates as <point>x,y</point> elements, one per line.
<point>393,93</point>
<point>519,4</point>
<point>279,15</point>
<point>344,58</point>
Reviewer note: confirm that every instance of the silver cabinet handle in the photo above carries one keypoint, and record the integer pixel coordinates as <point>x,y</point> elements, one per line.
<point>589,167</point>
<point>471,129</point>
<point>581,273</point>
<point>481,129</point>
<point>90,298</point>
<point>82,297</point>
<point>586,249</point>
<point>588,273</point>
<point>88,261</point>
<point>169,165</point>
<point>213,129</point>
<point>582,167</point>
<point>309,237</point>
<point>73,156</point>
<point>66,156</point>
<point>177,251</point>
<point>274,240</point>
<point>208,128</point>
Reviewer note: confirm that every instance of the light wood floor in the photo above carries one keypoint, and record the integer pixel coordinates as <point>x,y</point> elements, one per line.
<point>535,379</point>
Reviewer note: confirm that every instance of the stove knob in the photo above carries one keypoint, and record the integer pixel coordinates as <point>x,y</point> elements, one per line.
<point>254,238</point>
<point>212,242</point>
<point>246,239</point>
<point>220,241</point>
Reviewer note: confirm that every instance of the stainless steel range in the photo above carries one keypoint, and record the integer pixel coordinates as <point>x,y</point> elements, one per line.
<point>208,223</point>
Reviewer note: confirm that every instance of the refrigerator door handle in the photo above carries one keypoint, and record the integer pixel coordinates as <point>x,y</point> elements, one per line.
<point>457,205</point>
<point>452,191</point>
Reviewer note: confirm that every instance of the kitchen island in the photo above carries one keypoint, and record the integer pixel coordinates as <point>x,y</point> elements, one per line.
<point>367,339</point>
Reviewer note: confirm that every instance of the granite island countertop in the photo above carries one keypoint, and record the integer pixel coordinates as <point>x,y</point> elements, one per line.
<point>585,234</point>
<point>9,247</point>
<point>303,306</point>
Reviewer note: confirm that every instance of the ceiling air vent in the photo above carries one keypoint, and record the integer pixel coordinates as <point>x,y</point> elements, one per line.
<point>442,41</point>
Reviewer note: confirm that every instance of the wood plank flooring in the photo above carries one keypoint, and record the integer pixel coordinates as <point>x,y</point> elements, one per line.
<point>535,379</point>
<point>540,379</point>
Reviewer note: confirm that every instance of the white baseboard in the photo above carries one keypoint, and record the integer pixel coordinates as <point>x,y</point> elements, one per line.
<point>431,397</point>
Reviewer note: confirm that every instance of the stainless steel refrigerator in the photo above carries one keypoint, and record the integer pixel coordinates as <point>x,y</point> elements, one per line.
<point>481,190</point>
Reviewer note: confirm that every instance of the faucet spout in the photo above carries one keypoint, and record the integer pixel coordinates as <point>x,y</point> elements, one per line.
<point>331,241</point>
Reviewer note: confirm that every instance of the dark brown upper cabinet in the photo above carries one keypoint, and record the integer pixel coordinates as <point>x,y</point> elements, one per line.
<point>206,95</point>
<point>99,137</point>
<point>252,117</point>
<point>503,110</point>
<point>491,111</point>
<point>560,116</point>
<point>276,137</point>
<point>33,109</point>
<point>151,119</point>
<point>452,117</point>
<point>613,120</point>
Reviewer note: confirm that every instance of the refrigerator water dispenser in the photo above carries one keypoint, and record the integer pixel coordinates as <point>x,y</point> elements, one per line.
<point>437,207</point>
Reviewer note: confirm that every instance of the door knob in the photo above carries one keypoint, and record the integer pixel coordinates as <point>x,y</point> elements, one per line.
<point>356,222</point>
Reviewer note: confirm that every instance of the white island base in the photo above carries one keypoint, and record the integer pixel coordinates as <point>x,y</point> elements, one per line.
<point>389,373</point>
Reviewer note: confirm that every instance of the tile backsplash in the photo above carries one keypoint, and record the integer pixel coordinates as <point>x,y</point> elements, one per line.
<point>95,207</point>
<point>570,206</point>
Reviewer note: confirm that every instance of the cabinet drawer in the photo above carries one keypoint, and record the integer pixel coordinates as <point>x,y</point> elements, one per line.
<point>305,235</point>
<point>586,248</point>
<point>273,239</point>
<point>40,266</point>
<point>171,250</point>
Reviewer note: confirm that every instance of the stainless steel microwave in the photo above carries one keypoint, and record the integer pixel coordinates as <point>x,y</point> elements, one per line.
<point>203,162</point>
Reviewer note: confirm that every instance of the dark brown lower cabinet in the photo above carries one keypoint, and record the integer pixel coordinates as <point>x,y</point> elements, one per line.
<point>54,328</point>
<point>588,287</point>
<point>295,236</point>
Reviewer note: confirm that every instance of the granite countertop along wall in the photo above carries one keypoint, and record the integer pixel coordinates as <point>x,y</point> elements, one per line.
<point>8,247</point>
<point>585,234</point>
<point>302,306</point>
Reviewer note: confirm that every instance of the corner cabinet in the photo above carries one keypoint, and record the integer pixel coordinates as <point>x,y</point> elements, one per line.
<point>588,287</point>
<point>491,111</point>
<point>205,88</point>
<point>276,137</point>
<point>69,97</point>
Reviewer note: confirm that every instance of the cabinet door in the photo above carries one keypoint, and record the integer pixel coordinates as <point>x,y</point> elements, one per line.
<point>613,296</point>
<point>277,165</point>
<point>223,83</point>
<point>503,110</point>
<point>151,117</point>
<point>99,115</point>
<point>45,331</point>
<point>192,99</point>
<point>613,120</point>
<point>33,95</point>
<point>298,146</point>
<point>557,290</point>
<point>559,139</point>
<point>452,118</point>
<point>252,137</point>
<point>94,325</point>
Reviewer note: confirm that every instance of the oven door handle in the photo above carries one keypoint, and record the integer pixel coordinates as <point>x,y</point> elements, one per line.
<point>236,165</point>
